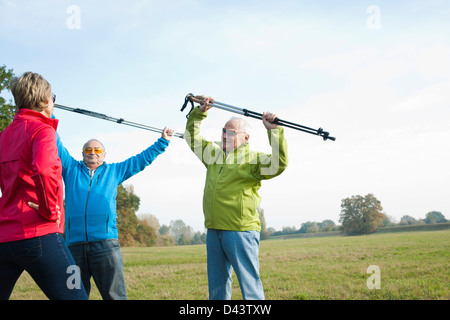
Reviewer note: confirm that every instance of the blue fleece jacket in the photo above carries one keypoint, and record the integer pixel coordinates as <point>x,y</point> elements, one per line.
<point>90,203</point>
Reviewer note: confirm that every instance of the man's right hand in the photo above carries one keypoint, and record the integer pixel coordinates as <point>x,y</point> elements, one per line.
<point>206,106</point>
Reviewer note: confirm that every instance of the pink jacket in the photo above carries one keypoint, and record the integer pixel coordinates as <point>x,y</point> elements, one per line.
<point>30,170</point>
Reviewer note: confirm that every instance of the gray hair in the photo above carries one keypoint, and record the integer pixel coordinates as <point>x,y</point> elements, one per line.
<point>243,125</point>
<point>94,140</point>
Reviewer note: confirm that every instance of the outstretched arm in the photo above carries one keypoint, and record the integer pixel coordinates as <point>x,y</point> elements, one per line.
<point>139,162</point>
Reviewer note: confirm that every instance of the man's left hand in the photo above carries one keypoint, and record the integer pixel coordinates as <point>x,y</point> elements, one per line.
<point>268,119</point>
<point>167,134</point>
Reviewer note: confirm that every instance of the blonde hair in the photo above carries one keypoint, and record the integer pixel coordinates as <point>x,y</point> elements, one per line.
<point>31,91</point>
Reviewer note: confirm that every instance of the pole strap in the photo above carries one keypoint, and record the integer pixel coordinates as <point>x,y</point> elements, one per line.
<point>188,99</point>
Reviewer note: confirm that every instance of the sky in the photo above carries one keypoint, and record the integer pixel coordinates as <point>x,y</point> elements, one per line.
<point>375,74</point>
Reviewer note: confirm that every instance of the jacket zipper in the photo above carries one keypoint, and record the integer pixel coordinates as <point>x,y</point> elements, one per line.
<point>85,210</point>
<point>214,192</point>
<point>107,217</point>
<point>214,196</point>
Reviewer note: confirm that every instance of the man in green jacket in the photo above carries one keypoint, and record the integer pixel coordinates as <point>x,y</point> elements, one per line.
<point>230,199</point>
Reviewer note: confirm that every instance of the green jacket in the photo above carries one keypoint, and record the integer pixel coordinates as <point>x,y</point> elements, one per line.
<point>230,197</point>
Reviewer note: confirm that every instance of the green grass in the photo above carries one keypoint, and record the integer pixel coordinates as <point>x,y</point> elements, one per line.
<point>413,265</point>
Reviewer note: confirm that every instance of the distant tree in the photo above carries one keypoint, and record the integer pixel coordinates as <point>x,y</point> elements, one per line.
<point>434,217</point>
<point>271,230</point>
<point>408,220</point>
<point>361,215</point>
<point>288,230</point>
<point>264,234</point>
<point>326,225</point>
<point>197,239</point>
<point>145,234</point>
<point>309,227</point>
<point>165,240</point>
<point>7,110</point>
<point>182,233</point>
<point>151,220</point>
<point>203,237</point>
<point>127,205</point>
<point>164,229</point>
<point>388,221</point>
<point>132,231</point>
<point>184,240</point>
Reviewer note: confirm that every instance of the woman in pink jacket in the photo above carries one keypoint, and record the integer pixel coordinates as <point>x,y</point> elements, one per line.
<point>30,173</point>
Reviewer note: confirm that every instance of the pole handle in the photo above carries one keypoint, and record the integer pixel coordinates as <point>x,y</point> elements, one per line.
<point>197,99</point>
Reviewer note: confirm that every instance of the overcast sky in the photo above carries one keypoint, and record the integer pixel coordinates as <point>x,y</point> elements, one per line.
<point>375,74</point>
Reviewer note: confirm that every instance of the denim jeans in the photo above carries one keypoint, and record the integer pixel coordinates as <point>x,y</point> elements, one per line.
<point>238,250</point>
<point>47,260</point>
<point>101,260</point>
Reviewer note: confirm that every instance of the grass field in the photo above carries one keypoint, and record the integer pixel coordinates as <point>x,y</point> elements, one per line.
<point>413,265</point>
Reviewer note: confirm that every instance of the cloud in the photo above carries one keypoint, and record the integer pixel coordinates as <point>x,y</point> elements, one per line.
<point>433,98</point>
<point>433,61</point>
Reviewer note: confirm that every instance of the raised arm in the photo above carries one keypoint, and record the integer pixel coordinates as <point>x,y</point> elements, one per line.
<point>195,140</point>
<point>139,162</point>
<point>272,165</point>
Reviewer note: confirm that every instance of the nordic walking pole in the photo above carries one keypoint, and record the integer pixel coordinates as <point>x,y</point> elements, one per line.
<point>117,120</point>
<point>190,98</point>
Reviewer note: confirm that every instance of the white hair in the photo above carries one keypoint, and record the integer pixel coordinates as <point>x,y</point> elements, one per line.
<point>243,125</point>
<point>94,140</point>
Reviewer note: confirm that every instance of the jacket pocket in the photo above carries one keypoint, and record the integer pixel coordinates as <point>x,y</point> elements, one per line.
<point>240,204</point>
<point>97,224</point>
<point>107,223</point>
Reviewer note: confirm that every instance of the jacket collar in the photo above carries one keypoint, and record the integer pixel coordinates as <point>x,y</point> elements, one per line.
<point>235,152</point>
<point>99,169</point>
<point>28,114</point>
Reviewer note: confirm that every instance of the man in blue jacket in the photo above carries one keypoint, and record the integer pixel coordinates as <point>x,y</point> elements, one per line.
<point>90,202</point>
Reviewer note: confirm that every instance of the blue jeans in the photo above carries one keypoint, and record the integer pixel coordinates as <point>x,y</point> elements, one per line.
<point>101,260</point>
<point>238,250</point>
<point>49,263</point>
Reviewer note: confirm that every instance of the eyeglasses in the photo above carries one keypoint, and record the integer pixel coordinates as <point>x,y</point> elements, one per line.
<point>54,98</point>
<point>88,150</point>
<point>231,132</point>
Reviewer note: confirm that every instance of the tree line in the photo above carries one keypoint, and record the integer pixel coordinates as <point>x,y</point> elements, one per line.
<point>7,108</point>
<point>146,230</point>
<point>361,215</point>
